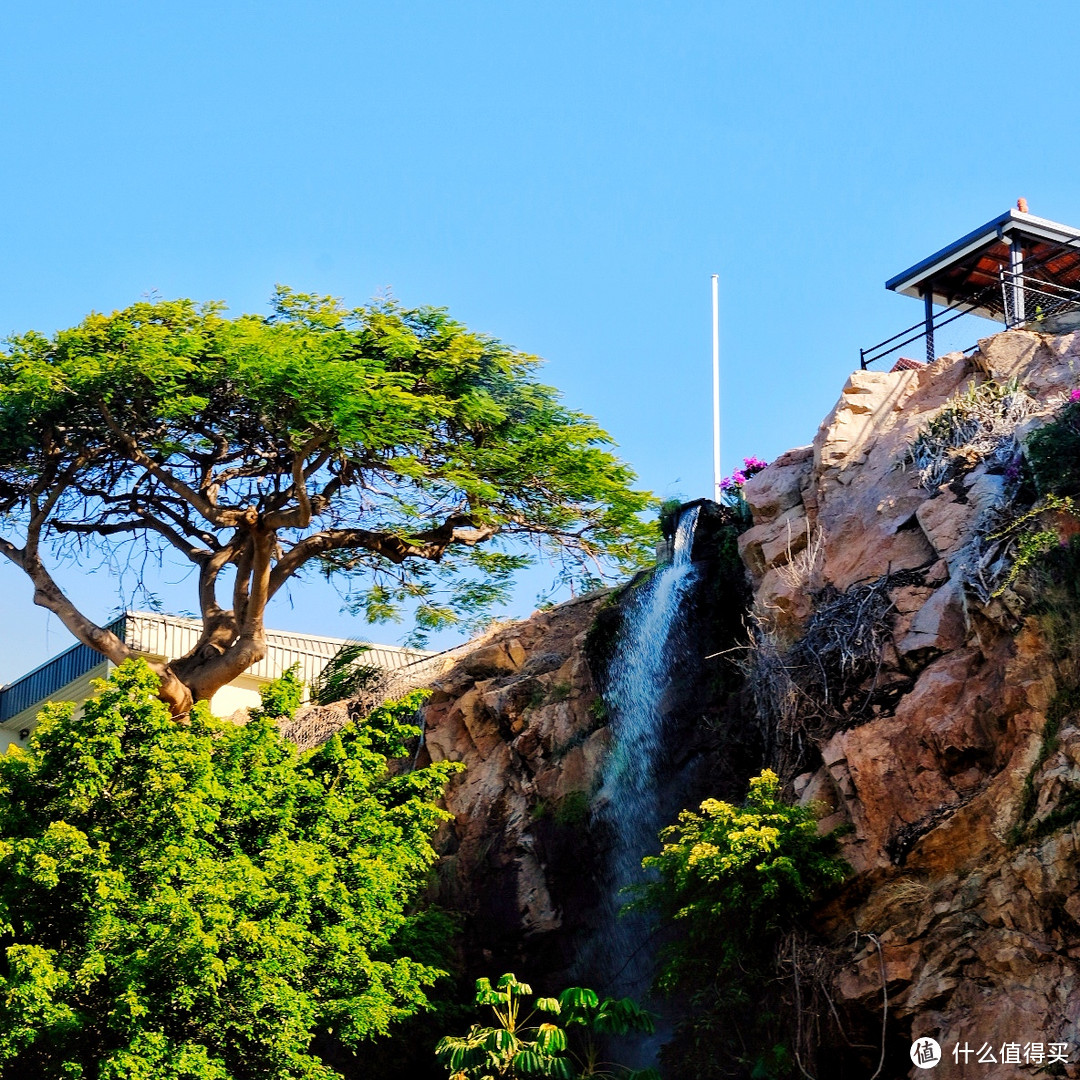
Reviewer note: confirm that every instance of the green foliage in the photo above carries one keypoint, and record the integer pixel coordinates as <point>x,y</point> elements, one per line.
<point>1053,452</point>
<point>729,881</point>
<point>560,691</point>
<point>419,463</point>
<point>669,515</point>
<point>281,698</point>
<point>346,675</point>
<point>1026,540</point>
<point>523,1044</point>
<point>1055,585</point>
<point>731,878</point>
<point>1028,795</point>
<point>1054,580</point>
<point>569,812</point>
<point>572,810</point>
<point>197,902</point>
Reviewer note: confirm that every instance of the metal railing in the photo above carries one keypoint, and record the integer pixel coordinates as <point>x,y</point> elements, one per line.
<point>1026,300</point>
<point>1018,299</point>
<point>918,331</point>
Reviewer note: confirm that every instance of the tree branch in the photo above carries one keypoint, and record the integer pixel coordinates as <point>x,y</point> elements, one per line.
<point>212,513</point>
<point>430,544</point>
<point>299,517</point>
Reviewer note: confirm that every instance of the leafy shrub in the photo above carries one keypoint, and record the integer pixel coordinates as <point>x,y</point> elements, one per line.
<point>669,516</point>
<point>199,901</point>
<point>1054,453</point>
<point>523,1044</point>
<point>730,881</point>
<point>731,490</point>
<point>733,877</point>
<point>282,697</point>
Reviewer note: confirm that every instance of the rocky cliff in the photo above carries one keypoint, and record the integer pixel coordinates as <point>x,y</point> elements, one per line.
<point>896,673</point>
<point>958,798</point>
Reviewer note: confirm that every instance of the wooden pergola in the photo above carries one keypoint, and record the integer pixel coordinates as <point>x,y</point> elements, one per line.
<point>1017,269</point>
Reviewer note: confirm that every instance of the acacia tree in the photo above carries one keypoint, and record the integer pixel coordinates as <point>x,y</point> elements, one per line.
<point>393,447</point>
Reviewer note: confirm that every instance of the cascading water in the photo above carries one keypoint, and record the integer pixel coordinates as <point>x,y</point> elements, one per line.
<point>639,677</point>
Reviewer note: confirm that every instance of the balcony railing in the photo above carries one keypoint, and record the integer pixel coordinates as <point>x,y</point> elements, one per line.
<point>1025,298</point>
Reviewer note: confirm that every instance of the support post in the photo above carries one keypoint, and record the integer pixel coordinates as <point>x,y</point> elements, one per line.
<point>928,303</point>
<point>716,385</point>
<point>1016,270</point>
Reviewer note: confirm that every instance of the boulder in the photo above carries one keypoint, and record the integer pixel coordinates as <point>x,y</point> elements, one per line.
<point>763,546</point>
<point>779,487</point>
<point>940,623</point>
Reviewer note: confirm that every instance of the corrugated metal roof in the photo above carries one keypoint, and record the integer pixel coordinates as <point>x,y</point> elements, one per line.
<point>170,636</point>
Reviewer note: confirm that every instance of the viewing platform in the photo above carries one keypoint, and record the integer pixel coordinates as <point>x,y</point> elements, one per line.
<point>1018,269</point>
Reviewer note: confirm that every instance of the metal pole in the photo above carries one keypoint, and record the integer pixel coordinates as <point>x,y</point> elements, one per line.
<point>928,300</point>
<point>716,386</point>
<point>1016,268</point>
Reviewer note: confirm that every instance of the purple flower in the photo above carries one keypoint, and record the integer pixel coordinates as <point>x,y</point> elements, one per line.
<point>754,464</point>
<point>1075,395</point>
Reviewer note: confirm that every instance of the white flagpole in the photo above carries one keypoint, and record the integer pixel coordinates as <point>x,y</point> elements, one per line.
<point>716,385</point>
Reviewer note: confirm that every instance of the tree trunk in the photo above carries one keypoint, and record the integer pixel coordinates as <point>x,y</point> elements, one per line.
<point>175,693</point>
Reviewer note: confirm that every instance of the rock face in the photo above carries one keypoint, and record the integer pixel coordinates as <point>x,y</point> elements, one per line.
<point>523,712</point>
<point>961,801</point>
<point>963,872</point>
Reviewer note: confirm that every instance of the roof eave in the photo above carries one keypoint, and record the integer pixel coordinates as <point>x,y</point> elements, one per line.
<point>908,282</point>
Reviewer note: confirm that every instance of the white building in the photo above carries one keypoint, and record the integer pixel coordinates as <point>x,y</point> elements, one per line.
<point>67,677</point>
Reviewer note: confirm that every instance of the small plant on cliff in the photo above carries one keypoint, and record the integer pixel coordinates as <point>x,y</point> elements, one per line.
<point>731,882</point>
<point>977,424</point>
<point>731,487</point>
<point>1054,453</point>
<point>200,901</point>
<point>522,1044</point>
<point>346,675</point>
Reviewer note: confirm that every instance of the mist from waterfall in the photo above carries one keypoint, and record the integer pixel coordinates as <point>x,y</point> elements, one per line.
<point>652,638</point>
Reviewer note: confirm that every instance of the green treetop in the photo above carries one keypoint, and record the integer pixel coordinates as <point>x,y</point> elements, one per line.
<point>417,459</point>
<point>197,901</point>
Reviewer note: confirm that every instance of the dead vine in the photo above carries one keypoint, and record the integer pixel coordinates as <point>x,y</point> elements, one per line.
<point>827,680</point>
<point>810,967</point>
<point>801,570</point>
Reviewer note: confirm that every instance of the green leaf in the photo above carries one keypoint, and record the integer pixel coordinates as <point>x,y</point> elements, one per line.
<point>197,900</point>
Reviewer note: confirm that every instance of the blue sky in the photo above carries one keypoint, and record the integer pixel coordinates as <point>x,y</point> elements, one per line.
<point>565,176</point>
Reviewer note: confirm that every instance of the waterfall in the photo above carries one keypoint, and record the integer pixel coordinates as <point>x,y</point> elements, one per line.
<point>651,641</point>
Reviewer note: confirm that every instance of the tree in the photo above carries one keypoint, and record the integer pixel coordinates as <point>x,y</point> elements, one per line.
<point>392,447</point>
<point>520,1044</point>
<point>198,901</point>
<point>730,882</point>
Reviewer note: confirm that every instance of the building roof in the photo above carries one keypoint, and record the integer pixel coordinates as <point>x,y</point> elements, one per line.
<point>968,270</point>
<point>170,636</point>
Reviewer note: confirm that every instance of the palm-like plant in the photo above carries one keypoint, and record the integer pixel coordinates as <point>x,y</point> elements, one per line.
<point>521,1045</point>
